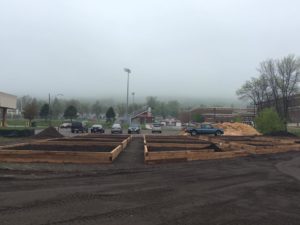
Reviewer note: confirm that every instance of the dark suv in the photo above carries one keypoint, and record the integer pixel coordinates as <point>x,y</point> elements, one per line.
<point>134,128</point>
<point>77,127</point>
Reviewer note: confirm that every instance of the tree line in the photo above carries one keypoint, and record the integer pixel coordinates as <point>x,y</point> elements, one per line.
<point>32,108</point>
<point>275,86</point>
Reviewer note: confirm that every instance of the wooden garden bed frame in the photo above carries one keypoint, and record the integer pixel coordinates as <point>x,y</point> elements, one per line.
<point>229,148</point>
<point>42,156</point>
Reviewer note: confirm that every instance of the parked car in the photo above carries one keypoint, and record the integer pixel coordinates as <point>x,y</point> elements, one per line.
<point>204,129</point>
<point>134,128</point>
<point>116,128</point>
<point>77,127</point>
<point>97,128</point>
<point>156,128</point>
<point>65,125</point>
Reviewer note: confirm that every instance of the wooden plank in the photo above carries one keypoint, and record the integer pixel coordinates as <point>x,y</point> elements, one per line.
<point>54,157</point>
<point>72,144</point>
<point>215,155</point>
<point>166,155</point>
<point>177,145</point>
<point>115,153</point>
<point>79,140</point>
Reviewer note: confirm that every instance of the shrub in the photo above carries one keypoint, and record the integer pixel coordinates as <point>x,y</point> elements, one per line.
<point>198,118</point>
<point>268,121</point>
<point>238,119</point>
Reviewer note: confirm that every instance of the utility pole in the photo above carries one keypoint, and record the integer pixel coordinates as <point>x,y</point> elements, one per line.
<point>49,112</point>
<point>128,71</point>
<point>133,98</point>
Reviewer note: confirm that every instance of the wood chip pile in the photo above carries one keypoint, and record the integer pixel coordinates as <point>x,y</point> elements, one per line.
<point>237,129</point>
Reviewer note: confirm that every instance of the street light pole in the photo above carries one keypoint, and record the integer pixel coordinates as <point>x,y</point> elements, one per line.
<point>50,113</point>
<point>128,71</point>
<point>133,98</point>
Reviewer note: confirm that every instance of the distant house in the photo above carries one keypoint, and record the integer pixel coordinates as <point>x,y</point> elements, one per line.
<point>142,116</point>
<point>171,122</point>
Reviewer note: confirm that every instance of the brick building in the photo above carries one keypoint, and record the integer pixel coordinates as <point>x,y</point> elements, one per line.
<point>218,114</point>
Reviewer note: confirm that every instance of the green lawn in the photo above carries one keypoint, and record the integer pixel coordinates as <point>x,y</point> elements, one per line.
<point>294,130</point>
<point>39,123</point>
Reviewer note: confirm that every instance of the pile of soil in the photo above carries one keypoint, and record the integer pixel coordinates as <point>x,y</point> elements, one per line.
<point>237,129</point>
<point>49,132</point>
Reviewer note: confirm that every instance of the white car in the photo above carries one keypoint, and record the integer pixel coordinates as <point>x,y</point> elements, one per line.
<point>65,125</point>
<point>156,128</point>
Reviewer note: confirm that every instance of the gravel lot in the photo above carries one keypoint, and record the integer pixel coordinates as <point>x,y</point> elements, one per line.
<point>252,190</point>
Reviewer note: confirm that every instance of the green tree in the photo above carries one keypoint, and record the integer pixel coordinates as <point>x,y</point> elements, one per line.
<point>121,109</point>
<point>44,112</point>
<point>173,108</point>
<point>238,119</point>
<point>70,112</point>
<point>276,85</point>
<point>97,109</point>
<point>56,108</point>
<point>30,110</point>
<point>84,108</point>
<point>110,114</point>
<point>161,109</point>
<point>198,118</point>
<point>268,121</point>
<point>152,102</point>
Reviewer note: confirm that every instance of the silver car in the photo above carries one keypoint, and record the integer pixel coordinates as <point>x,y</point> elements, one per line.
<point>116,129</point>
<point>156,128</point>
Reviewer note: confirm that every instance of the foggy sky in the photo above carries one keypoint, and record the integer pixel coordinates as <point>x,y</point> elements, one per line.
<point>174,48</point>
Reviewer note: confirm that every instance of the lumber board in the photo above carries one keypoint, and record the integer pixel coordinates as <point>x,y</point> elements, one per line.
<point>214,155</point>
<point>72,144</point>
<point>115,153</point>
<point>28,156</point>
<point>178,145</point>
<point>166,155</point>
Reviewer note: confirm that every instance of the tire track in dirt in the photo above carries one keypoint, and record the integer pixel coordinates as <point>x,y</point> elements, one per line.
<point>80,198</point>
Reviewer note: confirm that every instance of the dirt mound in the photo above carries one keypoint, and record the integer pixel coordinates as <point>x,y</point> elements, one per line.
<point>237,129</point>
<point>49,132</point>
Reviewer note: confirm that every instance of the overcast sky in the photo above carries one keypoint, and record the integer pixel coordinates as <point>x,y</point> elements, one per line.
<point>194,48</point>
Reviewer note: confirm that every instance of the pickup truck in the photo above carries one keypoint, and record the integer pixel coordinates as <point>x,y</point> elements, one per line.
<point>204,129</point>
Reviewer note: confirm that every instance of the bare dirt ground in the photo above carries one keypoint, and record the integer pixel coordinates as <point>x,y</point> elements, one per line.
<point>258,190</point>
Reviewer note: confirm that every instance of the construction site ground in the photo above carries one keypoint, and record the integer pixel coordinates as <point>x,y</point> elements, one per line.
<point>257,189</point>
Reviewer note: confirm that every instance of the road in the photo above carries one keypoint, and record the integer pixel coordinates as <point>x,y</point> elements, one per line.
<point>258,190</point>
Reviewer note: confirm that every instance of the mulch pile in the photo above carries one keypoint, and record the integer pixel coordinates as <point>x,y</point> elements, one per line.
<point>238,129</point>
<point>49,132</point>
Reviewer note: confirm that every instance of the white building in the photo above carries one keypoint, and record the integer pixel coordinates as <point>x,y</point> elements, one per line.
<point>7,101</point>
